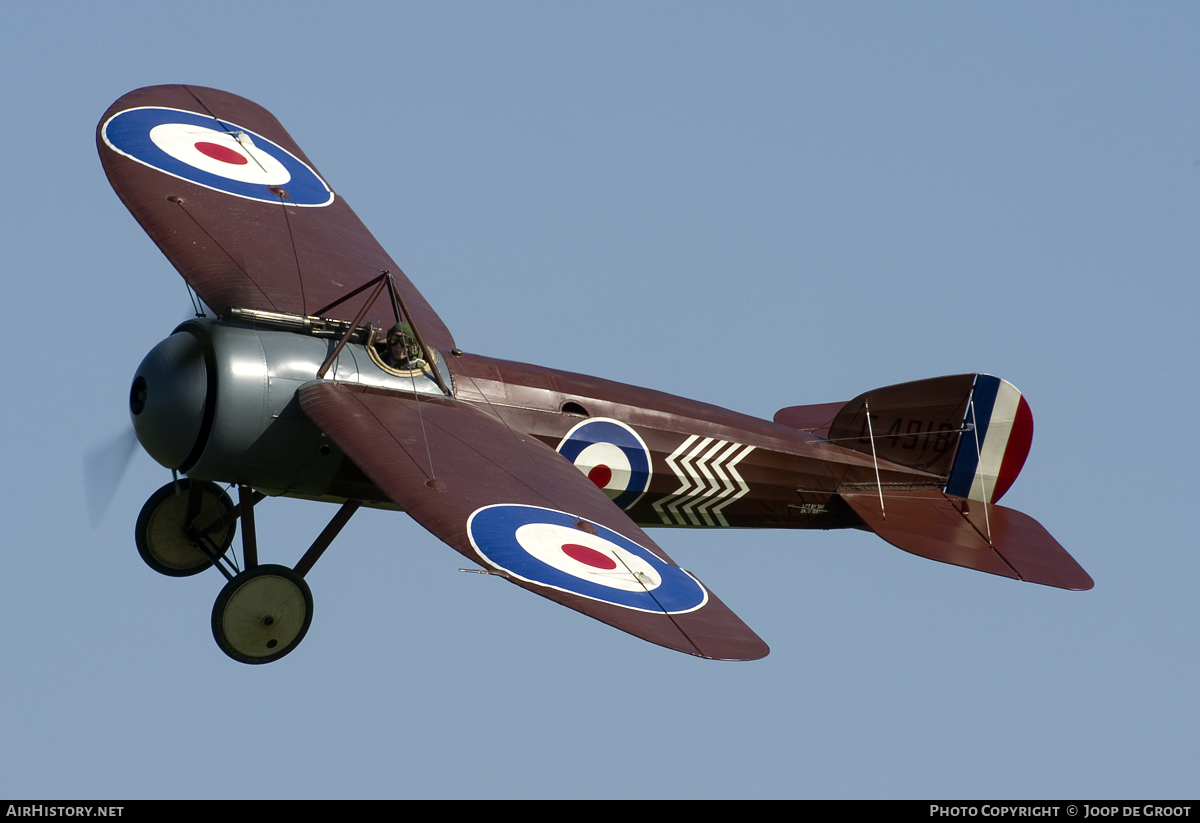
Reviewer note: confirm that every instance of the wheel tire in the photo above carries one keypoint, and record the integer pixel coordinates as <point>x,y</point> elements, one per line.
<point>160,536</point>
<point>262,614</point>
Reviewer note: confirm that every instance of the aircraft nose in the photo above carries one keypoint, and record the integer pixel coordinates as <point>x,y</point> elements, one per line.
<point>167,399</point>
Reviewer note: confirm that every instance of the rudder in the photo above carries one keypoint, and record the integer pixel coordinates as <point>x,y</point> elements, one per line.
<point>992,454</point>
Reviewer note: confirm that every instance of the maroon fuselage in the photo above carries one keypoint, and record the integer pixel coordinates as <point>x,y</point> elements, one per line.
<point>710,467</point>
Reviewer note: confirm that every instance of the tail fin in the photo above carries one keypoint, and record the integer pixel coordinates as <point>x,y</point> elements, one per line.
<point>975,430</point>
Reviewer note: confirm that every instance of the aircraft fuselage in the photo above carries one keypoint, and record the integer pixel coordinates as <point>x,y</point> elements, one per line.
<point>666,461</point>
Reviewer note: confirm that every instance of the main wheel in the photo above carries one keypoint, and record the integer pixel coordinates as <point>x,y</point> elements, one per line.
<point>262,614</point>
<point>161,539</point>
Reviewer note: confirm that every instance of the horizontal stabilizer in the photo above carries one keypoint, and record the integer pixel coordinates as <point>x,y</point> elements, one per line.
<point>999,541</point>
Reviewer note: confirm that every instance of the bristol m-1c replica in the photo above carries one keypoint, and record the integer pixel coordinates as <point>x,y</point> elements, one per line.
<point>541,477</point>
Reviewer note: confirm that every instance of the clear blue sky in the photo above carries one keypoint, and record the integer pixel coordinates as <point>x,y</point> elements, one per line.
<point>752,205</point>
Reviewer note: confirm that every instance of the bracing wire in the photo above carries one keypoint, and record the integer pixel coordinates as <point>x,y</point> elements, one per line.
<point>538,465</point>
<point>197,306</point>
<point>982,476</point>
<point>874,457</point>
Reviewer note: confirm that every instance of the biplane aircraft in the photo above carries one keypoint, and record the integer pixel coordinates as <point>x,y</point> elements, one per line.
<point>325,375</point>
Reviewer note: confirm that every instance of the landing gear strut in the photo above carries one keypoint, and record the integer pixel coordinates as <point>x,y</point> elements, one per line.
<point>264,611</point>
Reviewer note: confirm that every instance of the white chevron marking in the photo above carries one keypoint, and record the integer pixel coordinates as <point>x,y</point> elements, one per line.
<point>686,490</point>
<point>658,504</point>
<point>709,481</point>
<point>743,487</point>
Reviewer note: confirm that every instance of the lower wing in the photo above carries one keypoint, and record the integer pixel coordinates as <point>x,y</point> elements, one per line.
<point>522,511</point>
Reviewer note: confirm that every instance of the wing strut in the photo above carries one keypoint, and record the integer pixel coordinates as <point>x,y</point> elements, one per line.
<point>401,311</point>
<point>379,283</point>
<point>398,303</point>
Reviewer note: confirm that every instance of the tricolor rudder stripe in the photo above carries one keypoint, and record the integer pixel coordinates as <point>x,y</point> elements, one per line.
<point>992,450</point>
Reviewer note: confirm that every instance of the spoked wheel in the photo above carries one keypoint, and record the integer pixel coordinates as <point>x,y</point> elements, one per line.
<point>262,614</point>
<point>161,534</point>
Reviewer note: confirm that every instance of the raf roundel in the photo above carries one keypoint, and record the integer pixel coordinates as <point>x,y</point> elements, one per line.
<point>215,154</point>
<point>545,547</point>
<point>613,457</point>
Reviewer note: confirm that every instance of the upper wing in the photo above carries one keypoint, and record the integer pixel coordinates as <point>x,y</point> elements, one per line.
<point>237,207</point>
<point>511,504</point>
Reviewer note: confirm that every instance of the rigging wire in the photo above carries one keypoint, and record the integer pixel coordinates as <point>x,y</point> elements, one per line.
<point>878,482</point>
<point>197,304</point>
<point>412,376</point>
<point>982,477</point>
<point>565,501</point>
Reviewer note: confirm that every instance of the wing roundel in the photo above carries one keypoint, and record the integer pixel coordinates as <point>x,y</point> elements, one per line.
<point>241,212</point>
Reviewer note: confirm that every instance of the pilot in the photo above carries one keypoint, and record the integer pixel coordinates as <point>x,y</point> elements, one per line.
<point>402,350</point>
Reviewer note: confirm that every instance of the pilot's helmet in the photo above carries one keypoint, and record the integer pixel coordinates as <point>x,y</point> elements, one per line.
<point>400,331</point>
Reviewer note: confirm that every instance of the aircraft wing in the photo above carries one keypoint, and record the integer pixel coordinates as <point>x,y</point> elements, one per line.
<point>521,511</point>
<point>241,212</point>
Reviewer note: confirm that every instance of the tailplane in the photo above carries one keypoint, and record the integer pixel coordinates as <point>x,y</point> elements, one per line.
<point>975,535</point>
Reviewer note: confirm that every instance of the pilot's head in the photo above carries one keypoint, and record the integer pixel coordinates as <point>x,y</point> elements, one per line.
<point>397,340</point>
<point>400,331</point>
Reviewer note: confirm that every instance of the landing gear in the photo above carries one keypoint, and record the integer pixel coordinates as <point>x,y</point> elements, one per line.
<point>174,544</point>
<point>262,614</point>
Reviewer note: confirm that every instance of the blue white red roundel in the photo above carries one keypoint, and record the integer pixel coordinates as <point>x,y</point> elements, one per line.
<point>613,457</point>
<point>544,546</point>
<point>214,154</point>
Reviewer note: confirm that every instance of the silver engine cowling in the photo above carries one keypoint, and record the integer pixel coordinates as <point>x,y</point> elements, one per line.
<point>217,401</point>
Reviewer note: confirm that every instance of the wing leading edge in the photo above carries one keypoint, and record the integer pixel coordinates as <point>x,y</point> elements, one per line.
<point>511,504</point>
<point>241,212</point>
